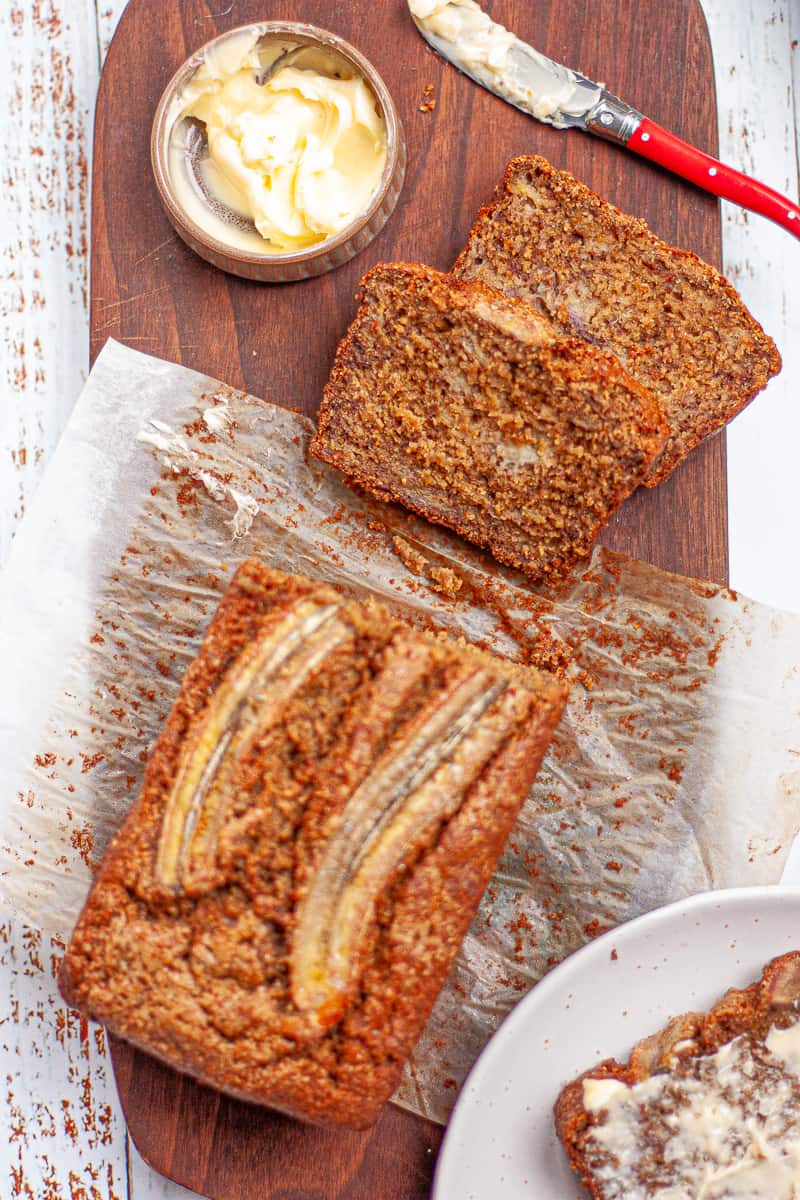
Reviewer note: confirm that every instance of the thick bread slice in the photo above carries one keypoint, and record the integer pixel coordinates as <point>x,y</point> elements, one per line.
<point>679,1056</point>
<point>467,407</point>
<point>675,323</point>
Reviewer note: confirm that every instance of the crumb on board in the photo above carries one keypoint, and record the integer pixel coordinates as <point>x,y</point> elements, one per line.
<point>428,99</point>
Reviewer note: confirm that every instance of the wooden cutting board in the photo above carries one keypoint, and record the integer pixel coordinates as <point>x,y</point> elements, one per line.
<point>149,291</point>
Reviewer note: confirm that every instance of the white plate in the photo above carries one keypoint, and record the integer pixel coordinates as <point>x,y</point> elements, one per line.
<point>501,1143</point>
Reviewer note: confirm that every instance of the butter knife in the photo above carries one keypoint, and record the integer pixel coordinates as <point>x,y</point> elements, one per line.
<point>461,32</point>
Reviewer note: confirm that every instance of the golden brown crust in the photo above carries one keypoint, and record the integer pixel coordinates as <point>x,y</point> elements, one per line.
<point>200,974</point>
<point>466,407</point>
<point>678,326</point>
<point>751,1010</point>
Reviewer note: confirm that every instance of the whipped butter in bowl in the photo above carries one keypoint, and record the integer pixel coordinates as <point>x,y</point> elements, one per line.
<point>277,151</point>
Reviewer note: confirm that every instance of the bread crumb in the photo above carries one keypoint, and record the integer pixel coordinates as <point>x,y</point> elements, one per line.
<point>428,100</point>
<point>442,579</point>
<point>413,559</point>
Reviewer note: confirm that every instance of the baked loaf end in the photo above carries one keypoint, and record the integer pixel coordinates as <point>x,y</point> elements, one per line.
<point>730,1062</point>
<point>467,407</point>
<point>318,821</point>
<point>675,323</point>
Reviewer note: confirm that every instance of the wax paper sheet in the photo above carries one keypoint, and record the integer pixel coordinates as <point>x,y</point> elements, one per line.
<point>676,767</point>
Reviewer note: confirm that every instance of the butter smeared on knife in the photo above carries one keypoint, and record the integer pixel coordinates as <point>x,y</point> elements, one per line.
<point>492,56</point>
<point>461,32</point>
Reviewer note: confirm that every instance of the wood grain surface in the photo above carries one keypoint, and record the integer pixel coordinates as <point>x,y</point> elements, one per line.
<point>149,291</point>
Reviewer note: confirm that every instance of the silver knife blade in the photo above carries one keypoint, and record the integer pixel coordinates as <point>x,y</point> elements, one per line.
<point>461,32</point>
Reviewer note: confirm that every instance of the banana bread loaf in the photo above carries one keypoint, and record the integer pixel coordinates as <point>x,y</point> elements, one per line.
<point>676,325</point>
<point>318,821</point>
<point>709,1107</point>
<point>465,406</point>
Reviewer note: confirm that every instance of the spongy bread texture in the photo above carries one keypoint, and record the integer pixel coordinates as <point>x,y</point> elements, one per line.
<point>675,323</point>
<point>469,408</point>
<point>200,970</point>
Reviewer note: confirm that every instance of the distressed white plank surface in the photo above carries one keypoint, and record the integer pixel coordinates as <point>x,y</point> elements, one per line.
<point>46,102</point>
<point>64,1135</point>
<point>759,133</point>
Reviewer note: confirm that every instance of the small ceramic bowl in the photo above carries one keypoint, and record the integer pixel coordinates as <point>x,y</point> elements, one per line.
<point>254,263</point>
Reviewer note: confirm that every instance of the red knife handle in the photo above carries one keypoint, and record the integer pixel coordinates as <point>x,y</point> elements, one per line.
<point>662,147</point>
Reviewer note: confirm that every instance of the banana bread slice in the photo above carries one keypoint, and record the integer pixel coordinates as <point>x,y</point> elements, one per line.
<point>709,1107</point>
<point>318,821</point>
<point>673,321</point>
<point>466,406</point>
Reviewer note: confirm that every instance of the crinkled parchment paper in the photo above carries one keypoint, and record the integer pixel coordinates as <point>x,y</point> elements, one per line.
<point>675,769</point>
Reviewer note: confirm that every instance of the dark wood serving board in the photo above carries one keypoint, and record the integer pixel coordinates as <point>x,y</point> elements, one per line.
<point>149,291</point>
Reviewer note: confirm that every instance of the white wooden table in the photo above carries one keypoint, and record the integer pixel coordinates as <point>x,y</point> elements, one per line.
<point>61,1133</point>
